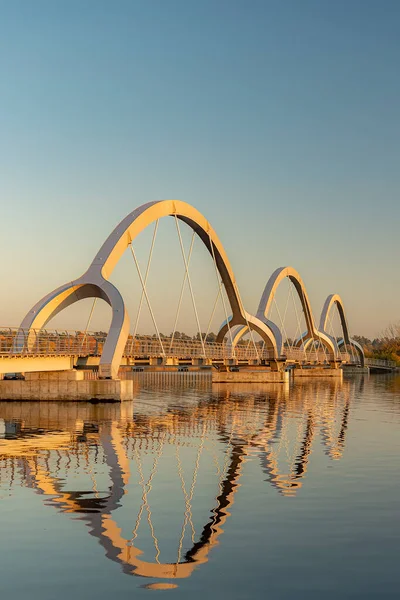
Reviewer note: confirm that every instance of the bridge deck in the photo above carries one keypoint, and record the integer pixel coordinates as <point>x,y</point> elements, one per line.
<point>32,343</point>
<point>20,350</point>
<point>46,350</point>
<point>377,364</point>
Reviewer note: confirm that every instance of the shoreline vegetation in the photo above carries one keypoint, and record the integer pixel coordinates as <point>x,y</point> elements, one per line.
<point>386,347</point>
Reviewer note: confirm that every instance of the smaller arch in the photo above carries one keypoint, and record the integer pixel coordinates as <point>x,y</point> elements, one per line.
<point>66,295</point>
<point>330,302</point>
<point>246,321</point>
<point>265,304</point>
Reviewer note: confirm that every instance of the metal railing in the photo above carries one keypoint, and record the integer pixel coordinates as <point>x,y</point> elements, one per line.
<point>181,349</point>
<point>380,362</point>
<point>301,355</point>
<point>34,342</point>
<point>19,342</point>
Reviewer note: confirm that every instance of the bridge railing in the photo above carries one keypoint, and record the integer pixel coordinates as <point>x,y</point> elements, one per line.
<point>34,342</point>
<point>151,347</point>
<point>380,362</point>
<point>44,342</point>
<point>76,343</point>
<point>301,355</point>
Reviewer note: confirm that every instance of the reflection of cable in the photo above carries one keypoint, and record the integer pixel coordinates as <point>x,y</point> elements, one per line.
<point>188,508</point>
<point>188,511</point>
<point>146,490</point>
<point>242,424</point>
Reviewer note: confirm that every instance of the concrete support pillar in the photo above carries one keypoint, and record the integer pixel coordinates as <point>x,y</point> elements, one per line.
<point>201,362</point>
<point>277,365</point>
<point>229,362</point>
<point>171,361</point>
<point>155,361</point>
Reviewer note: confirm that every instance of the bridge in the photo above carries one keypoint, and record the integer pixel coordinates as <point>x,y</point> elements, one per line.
<point>377,365</point>
<point>32,347</point>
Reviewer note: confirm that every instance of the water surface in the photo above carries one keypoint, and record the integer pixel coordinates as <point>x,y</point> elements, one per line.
<point>244,492</point>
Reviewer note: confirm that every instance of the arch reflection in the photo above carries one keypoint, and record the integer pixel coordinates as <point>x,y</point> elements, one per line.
<point>175,466</point>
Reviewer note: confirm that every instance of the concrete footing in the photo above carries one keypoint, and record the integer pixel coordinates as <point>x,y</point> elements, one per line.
<point>250,376</point>
<point>65,385</point>
<point>355,370</point>
<point>316,372</point>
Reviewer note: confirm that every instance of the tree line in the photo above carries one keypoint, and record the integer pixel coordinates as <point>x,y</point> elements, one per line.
<point>386,346</point>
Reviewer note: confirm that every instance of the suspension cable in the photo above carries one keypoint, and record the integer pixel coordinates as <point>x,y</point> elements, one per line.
<point>297,316</point>
<point>88,324</point>
<point>351,349</point>
<point>212,314</point>
<point>334,333</point>
<point>189,283</point>
<point>280,317</point>
<point>182,290</point>
<point>286,308</point>
<point>330,321</point>
<point>247,324</point>
<point>145,278</point>
<point>287,303</point>
<point>147,297</point>
<point>310,332</point>
<point>324,349</point>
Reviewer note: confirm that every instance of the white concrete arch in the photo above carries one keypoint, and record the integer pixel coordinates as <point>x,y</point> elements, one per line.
<point>94,283</point>
<point>330,302</point>
<point>265,304</point>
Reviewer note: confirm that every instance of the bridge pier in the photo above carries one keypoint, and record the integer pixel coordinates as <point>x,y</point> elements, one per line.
<point>234,373</point>
<point>201,362</point>
<point>65,386</point>
<point>317,371</point>
<point>249,376</point>
<point>355,370</point>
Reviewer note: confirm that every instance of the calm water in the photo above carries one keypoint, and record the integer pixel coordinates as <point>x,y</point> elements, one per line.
<point>263,492</point>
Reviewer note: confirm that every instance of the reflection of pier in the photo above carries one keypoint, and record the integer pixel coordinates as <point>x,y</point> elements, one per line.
<point>107,448</point>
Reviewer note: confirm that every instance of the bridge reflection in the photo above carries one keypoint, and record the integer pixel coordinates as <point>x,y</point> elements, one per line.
<point>173,467</point>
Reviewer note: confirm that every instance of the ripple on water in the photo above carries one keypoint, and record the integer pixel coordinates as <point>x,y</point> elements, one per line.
<point>224,489</point>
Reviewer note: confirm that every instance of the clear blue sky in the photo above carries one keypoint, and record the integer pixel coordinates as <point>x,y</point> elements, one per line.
<point>279,120</point>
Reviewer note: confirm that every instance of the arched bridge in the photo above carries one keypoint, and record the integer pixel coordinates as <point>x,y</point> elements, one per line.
<point>314,345</point>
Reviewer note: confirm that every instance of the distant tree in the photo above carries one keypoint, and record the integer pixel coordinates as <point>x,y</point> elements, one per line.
<point>387,346</point>
<point>362,340</point>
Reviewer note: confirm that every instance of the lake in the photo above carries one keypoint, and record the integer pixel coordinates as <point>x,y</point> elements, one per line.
<point>193,490</point>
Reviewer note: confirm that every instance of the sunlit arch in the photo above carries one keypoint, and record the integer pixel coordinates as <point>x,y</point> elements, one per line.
<point>94,282</point>
<point>312,333</point>
<point>330,302</point>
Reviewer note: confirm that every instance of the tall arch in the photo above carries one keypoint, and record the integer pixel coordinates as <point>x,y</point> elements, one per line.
<point>330,302</point>
<point>266,301</point>
<point>94,282</point>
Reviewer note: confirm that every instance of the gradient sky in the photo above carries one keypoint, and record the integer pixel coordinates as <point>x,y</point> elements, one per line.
<point>279,121</point>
